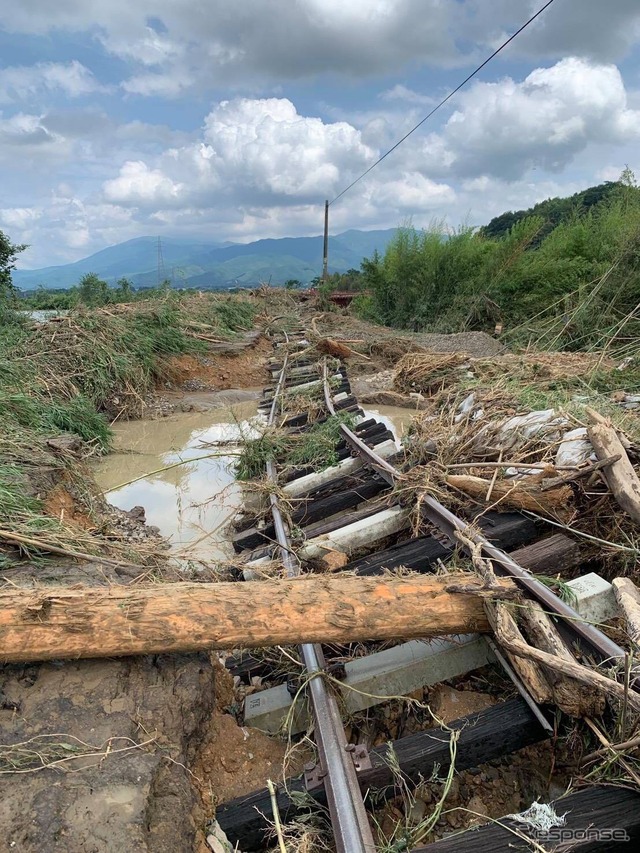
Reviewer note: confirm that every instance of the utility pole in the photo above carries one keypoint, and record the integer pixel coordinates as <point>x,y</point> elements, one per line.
<point>325,255</point>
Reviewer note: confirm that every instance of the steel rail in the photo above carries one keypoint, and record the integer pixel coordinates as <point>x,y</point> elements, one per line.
<point>352,833</point>
<point>593,639</point>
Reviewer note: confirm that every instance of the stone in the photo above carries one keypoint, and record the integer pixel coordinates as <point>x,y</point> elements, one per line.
<point>417,811</point>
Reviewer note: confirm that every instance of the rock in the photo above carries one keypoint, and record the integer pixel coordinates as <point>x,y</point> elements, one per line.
<point>137,513</point>
<point>449,704</point>
<point>417,811</point>
<point>476,804</point>
<point>333,560</point>
<point>65,443</point>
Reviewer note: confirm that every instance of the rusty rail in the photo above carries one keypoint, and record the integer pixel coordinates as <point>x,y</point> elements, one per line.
<point>352,833</point>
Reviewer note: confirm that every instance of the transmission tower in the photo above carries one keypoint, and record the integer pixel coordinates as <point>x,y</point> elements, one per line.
<point>162,275</point>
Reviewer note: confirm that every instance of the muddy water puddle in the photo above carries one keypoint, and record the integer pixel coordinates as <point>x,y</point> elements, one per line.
<point>396,418</point>
<point>190,503</point>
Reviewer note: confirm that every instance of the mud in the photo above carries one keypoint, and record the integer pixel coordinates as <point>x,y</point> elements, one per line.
<point>114,796</point>
<point>219,372</point>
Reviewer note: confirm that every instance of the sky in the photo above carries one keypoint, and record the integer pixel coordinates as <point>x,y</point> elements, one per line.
<point>235,120</point>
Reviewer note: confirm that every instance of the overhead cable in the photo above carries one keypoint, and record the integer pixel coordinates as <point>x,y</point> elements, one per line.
<point>444,100</point>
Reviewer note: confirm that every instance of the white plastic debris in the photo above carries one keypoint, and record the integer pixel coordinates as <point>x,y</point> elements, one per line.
<point>465,407</point>
<point>575,448</point>
<point>539,817</point>
<point>534,424</point>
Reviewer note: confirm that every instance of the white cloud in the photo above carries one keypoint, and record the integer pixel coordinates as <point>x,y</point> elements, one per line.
<point>22,129</point>
<point>261,42</point>
<point>505,129</point>
<point>409,96</point>
<point>593,29</point>
<point>252,150</point>
<point>223,43</point>
<point>138,182</point>
<point>25,82</point>
<point>170,85</point>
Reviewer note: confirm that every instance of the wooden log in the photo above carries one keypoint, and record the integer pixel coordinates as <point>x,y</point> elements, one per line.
<point>60,622</point>
<point>600,819</point>
<point>518,494</point>
<point>513,642</point>
<point>572,697</point>
<point>529,671</point>
<point>620,475</point>
<point>488,734</point>
<point>628,598</point>
<point>555,554</point>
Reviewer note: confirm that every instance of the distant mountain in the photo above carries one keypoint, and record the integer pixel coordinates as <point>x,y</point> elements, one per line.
<point>193,263</point>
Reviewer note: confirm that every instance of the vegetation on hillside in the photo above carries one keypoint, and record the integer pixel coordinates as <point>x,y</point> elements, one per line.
<point>552,210</point>
<point>577,287</point>
<point>8,255</point>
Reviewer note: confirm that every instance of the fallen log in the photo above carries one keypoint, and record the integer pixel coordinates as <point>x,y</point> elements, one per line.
<point>516,494</point>
<point>628,598</point>
<point>620,475</point>
<point>513,643</point>
<point>59,622</point>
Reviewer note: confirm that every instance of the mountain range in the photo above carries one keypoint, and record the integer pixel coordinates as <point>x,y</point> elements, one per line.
<point>202,264</point>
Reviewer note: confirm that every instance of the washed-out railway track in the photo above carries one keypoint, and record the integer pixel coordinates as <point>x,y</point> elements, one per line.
<point>356,496</point>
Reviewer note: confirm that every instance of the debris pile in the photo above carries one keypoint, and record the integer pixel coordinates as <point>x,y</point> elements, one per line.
<point>484,438</point>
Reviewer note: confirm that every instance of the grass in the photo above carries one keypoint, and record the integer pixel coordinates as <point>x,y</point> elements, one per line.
<point>574,286</point>
<point>315,448</point>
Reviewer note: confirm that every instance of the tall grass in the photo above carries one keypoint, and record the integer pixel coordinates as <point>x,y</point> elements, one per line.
<point>576,288</point>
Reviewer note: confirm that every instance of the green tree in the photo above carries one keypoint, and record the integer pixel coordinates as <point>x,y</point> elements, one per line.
<point>292,284</point>
<point>124,290</point>
<point>8,255</point>
<point>93,290</point>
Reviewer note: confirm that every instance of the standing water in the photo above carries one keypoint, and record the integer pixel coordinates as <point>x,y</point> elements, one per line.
<point>191,503</point>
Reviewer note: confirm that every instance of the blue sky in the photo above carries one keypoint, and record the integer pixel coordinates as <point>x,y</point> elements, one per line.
<point>233,121</point>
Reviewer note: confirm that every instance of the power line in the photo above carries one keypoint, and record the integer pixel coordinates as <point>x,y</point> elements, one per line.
<point>444,101</point>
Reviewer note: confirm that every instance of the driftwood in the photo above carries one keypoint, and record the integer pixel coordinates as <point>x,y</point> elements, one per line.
<point>516,646</point>
<point>531,674</point>
<point>572,697</point>
<point>628,598</point>
<point>620,475</point>
<point>586,471</point>
<point>518,494</point>
<point>61,622</point>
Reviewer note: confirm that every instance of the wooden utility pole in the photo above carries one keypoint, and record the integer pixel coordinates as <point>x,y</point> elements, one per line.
<point>325,254</point>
